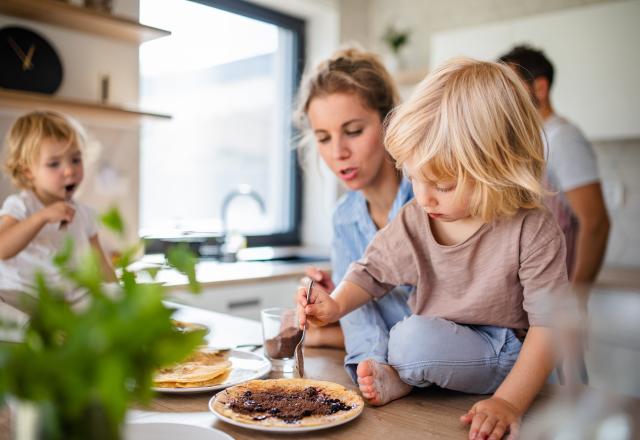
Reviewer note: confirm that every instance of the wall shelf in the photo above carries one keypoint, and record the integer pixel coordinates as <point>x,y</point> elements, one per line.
<point>31,101</point>
<point>86,20</point>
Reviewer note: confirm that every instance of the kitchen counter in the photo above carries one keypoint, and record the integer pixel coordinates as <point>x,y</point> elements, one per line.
<point>241,288</point>
<point>211,273</point>
<point>426,413</point>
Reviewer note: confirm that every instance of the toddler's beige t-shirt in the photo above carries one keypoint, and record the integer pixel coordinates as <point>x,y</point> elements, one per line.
<point>499,276</point>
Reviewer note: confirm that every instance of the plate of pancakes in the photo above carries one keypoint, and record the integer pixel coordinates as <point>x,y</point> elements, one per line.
<point>210,369</point>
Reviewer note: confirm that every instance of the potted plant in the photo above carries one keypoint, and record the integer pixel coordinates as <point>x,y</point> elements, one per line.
<point>77,370</point>
<point>395,39</point>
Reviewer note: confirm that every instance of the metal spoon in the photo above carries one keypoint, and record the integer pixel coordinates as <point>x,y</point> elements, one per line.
<point>298,353</point>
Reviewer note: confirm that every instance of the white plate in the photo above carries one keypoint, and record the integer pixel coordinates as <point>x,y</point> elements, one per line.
<point>292,429</point>
<point>244,366</point>
<point>171,431</point>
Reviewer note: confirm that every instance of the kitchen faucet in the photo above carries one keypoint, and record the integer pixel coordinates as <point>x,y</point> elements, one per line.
<point>240,190</point>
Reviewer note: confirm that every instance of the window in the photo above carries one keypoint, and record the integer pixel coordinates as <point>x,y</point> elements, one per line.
<point>228,75</point>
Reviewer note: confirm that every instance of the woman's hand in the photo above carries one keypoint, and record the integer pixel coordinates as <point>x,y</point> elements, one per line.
<point>320,310</point>
<point>321,278</point>
<point>491,418</point>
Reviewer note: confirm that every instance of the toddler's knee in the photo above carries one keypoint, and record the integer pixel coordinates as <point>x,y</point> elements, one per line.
<point>416,338</point>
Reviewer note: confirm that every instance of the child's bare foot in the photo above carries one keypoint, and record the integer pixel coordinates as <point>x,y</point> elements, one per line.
<point>380,383</point>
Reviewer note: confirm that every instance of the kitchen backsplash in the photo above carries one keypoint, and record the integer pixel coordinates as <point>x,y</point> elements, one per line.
<point>619,162</point>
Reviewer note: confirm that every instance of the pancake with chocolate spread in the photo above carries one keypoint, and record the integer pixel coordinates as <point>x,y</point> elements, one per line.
<point>285,403</point>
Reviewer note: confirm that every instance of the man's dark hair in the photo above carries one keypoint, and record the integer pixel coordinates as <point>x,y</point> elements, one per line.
<point>531,63</point>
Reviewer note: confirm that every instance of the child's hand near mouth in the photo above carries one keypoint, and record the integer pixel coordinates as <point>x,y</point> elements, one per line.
<point>62,212</point>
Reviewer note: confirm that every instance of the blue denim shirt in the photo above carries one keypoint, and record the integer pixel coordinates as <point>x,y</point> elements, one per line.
<point>353,227</point>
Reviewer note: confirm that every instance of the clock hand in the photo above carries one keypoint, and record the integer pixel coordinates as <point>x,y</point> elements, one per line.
<point>27,64</point>
<point>17,49</point>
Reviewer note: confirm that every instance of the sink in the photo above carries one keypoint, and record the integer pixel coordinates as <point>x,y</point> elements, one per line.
<point>205,245</point>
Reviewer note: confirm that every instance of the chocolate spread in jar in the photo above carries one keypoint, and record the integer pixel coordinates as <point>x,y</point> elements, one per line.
<point>283,345</point>
<point>289,406</point>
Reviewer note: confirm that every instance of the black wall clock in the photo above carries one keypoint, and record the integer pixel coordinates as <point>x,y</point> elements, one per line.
<point>28,61</point>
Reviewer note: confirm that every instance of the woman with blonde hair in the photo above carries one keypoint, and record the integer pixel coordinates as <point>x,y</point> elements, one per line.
<point>476,242</point>
<point>342,105</point>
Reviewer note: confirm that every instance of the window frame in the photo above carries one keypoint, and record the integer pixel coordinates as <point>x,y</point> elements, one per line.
<point>297,26</point>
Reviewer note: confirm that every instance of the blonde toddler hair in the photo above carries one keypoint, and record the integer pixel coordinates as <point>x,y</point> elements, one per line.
<point>25,138</point>
<point>474,121</point>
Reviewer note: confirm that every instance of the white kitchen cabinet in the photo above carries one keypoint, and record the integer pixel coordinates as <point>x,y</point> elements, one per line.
<point>244,299</point>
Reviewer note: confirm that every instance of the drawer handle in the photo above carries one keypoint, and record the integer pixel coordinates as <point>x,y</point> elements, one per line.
<point>241,304</point>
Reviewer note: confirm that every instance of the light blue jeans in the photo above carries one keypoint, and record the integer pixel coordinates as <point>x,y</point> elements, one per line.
<point>366,329</point>
<point>434,351</point>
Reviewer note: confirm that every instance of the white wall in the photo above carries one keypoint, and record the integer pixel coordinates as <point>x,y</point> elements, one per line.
<point>593,49</point>
<point>424,17</point>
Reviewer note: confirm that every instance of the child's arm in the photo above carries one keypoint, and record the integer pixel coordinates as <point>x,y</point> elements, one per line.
<point>15,235</point>
<point>321,278</point>
<point>388,261</point>
<point>107,270</point>
<point>491,418</point>
<point>324,308</point>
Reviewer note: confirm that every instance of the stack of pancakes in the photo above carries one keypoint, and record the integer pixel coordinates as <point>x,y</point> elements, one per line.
<point>201,369</point>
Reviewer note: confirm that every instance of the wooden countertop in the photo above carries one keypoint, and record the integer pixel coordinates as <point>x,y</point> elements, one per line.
<point>423,414</point>
<point>426,413</point>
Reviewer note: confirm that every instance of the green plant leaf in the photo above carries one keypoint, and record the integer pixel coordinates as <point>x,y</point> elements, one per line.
<point>128,255</point>
<point>64,255</point>
<point>184,260</point>
<point>396,38</point>
<point>153,272</point>
<point>113,220</point>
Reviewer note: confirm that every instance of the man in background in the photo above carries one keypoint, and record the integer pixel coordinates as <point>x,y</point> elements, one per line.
<point>572,171</point>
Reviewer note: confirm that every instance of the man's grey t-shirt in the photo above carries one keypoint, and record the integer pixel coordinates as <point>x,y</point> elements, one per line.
<point>571,163</point>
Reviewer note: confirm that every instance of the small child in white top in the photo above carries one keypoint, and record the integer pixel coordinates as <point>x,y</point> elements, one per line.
<point>43,157</point>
